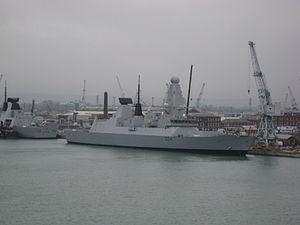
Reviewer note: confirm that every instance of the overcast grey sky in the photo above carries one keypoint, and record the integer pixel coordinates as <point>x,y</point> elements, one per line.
<point>48,47</point>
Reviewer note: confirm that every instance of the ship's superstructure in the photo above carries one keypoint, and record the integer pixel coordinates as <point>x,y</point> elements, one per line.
<point>12,114</point>
<point>174,101</point>
<point>17,123</point>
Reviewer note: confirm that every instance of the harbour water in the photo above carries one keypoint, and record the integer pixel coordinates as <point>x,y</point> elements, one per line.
<point>51,182</point>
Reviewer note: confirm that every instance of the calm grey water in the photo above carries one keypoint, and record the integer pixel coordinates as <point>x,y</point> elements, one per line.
<point>51,182</point>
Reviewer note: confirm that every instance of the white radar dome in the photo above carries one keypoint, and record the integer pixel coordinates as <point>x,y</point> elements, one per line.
<point>175,80</point>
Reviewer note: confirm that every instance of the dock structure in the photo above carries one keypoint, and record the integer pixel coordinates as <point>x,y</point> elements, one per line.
<point>292,152</point>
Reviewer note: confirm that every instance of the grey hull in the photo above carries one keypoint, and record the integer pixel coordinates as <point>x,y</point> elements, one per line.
<point>223,144</point>
<point>36,132</point>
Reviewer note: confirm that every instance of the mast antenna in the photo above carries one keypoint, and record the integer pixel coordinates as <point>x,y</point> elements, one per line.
<point>138,108</point>
<point>189,91</point>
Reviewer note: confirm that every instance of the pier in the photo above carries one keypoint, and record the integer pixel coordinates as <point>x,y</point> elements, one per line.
<point>293,152</point>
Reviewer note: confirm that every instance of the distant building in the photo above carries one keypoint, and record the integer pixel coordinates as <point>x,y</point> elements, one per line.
<point>287,140</point>
<point>250,130</point>
<point>233,116</point>
<point>287,120</point>
<point>207,122</point>
<point>287,129</point>
<point>235,123</point>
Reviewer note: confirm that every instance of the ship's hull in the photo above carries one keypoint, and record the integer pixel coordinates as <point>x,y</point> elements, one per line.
<point>221,144</point>
<point>7,133</point>
<point>36,132</point>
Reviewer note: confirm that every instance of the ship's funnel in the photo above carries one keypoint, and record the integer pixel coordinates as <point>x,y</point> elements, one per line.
<point>75,116</point>
<point>32,106</point>
<point>105,110</point>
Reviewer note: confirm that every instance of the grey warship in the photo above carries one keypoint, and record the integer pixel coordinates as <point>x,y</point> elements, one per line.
<point>14,122</point>
<point>168,130</point>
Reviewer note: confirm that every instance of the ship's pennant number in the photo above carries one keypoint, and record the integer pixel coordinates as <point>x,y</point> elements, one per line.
<point>44,131</point>
<point>173,138</point>
<point>168,138</point>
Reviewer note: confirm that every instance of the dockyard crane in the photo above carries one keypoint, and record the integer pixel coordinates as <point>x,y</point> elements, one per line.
<point>1,76</point>
<point>83,101</point>
<point>120,87</point>
<point>198,102</point>
<point>250,104</point>
<point>265,133</point>
<point>285,106</point>
<point>293,100</point>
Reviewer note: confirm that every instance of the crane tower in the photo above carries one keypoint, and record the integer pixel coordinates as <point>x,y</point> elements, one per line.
<point>198,103</point>
<point>293,101</point>
<point>1,76</point>
<point>265,133</point>
<point>83,97</point>
<point>120,87</point>
<point>83,92</point>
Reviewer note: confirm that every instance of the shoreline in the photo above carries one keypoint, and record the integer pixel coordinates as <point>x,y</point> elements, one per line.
<point>276,151</point>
